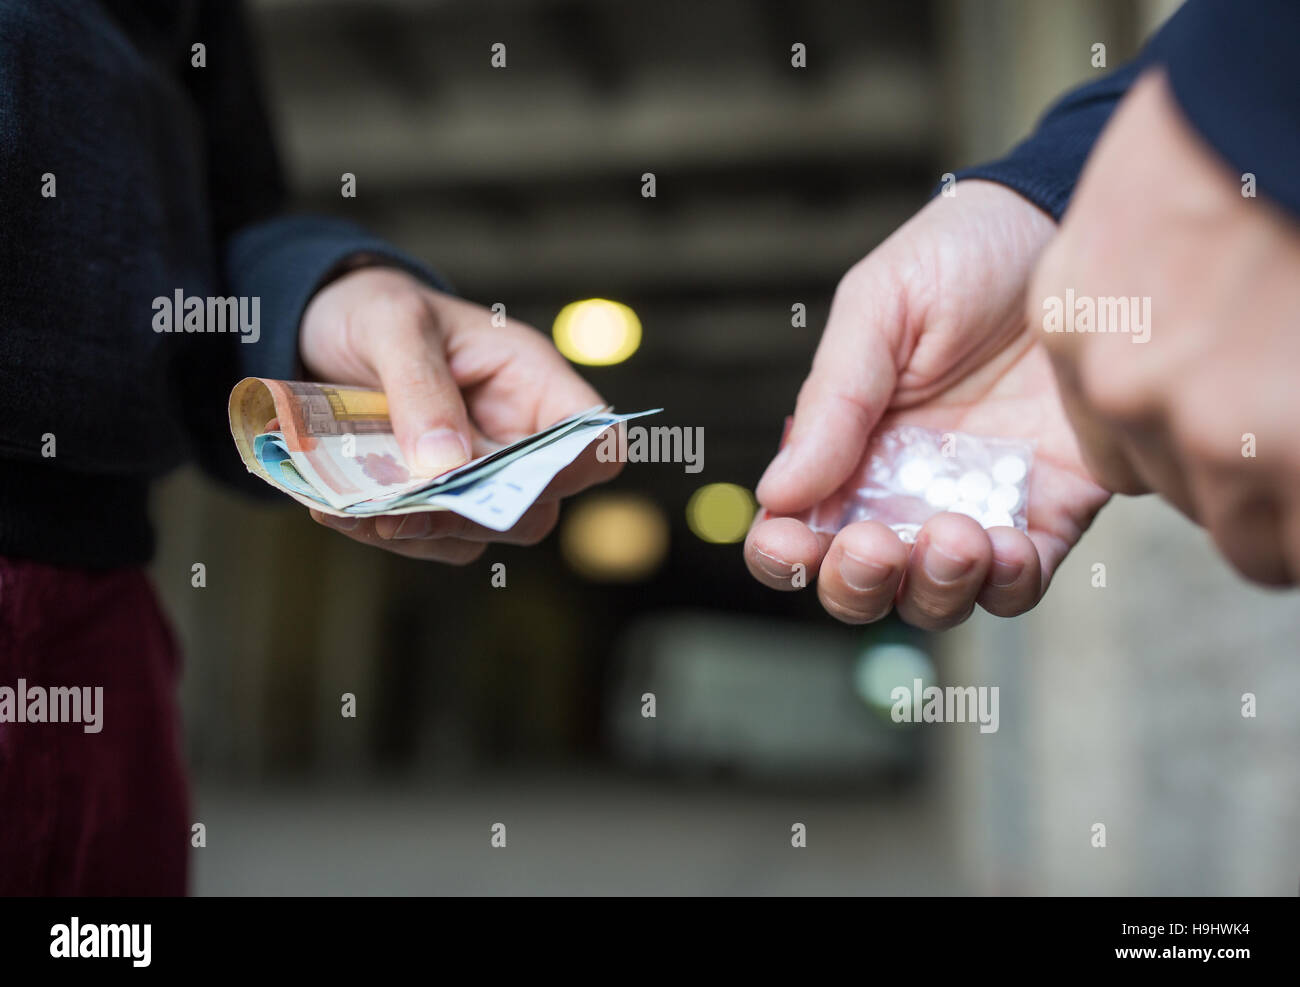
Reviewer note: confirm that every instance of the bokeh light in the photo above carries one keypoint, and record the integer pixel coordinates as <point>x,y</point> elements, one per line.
<point>597,332</point>
<point>614,537</point>
<point>884,666</point>
<point>720,513</point>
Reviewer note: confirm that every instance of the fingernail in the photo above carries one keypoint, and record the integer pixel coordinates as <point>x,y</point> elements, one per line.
<point>942,567</point>
<point>440,450</point>
<point>412,526</point>
<point>342,523</point>
<point>861,575</point>
<point>1005,573</point>
<point>771,565</point>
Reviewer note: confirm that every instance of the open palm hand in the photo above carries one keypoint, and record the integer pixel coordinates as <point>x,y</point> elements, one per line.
<point>930,330</point>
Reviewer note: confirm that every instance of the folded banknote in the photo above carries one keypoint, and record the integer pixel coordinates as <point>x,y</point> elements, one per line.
<point>332,448</point>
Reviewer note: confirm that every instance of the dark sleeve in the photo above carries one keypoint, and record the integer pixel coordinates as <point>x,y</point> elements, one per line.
<point>282,260</point>
<point>1234,75</point>
<point>1234,71</point>
<point>1046,165</point>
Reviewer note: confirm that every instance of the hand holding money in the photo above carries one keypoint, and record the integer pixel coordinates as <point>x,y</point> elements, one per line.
<point>456,386</point>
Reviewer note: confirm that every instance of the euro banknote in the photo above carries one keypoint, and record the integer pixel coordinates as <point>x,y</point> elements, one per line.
<point>332,448</point>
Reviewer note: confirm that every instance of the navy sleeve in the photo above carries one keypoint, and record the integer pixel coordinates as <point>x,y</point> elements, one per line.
<point>1233,70</point>
<point>1234,75</point>
<point>282,260</point>
<point>1045,166</point>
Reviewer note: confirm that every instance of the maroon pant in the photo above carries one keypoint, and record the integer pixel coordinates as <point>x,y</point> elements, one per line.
<point>90,813</point>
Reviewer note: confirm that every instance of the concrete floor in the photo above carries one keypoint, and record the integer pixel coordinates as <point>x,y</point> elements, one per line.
<point>573,834</point>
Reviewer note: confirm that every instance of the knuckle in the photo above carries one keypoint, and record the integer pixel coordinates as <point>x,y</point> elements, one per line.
<point>1115,392</point>
<point>1115,474</point>
<point>1269,571</point>
<point>403,309</point>
<point>1207,449</point>
<point>1263,566</point>
<point>1201,437</point>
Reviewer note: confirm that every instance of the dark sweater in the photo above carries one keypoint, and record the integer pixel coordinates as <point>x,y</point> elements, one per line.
<point>1234,73</point>
<point>166,178</point>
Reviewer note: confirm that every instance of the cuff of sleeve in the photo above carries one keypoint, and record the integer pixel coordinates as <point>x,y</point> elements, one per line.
<point>1049,192</point>
<point>1045,167</point>
<point>284,262</point>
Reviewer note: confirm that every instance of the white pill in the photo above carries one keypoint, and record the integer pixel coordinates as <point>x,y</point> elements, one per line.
<point>907,532</point>
<point>1003,498</point>
<point>974,486</point>
<point>941,492</point>
<point>997,519</point>
<point>1010,469</point>
<point>915,475</point>
<point>969,508</point>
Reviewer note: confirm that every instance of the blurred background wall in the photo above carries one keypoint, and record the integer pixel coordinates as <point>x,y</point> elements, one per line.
<point>523,704</point>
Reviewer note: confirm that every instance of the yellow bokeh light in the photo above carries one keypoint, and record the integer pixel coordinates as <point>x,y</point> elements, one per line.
<point>720,513</point>
<point>614,537</point>
<point>597,332</point>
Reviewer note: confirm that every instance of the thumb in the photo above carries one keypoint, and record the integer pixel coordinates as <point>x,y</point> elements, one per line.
<point>850,385</point>
<point>424,404</point>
